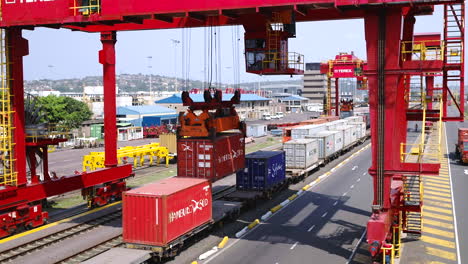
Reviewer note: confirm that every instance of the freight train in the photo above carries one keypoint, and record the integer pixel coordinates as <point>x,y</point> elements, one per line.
<point>179,208</point>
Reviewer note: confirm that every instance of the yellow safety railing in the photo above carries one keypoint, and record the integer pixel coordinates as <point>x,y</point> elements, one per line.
<point>8,174</point>
<point>388,250</point>
<point>420,50</point>
<point>276,60</point>
<point>86,7</point>
<point>396,238</point>
<point>139,154</point>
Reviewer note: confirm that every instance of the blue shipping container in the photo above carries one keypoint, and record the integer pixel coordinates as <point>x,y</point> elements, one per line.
<point>263,170</point>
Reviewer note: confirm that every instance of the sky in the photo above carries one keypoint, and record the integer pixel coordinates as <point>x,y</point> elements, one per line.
<point>61,54</point>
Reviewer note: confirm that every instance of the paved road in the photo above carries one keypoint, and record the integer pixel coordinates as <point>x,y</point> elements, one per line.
<point>460,183</point>
<point>321,226</point>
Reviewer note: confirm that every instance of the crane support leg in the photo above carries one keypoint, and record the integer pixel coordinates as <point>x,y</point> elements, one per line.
<point>337,98</point>
<point>107,59</point>
<point>18,48</point>
<point>388,120</point>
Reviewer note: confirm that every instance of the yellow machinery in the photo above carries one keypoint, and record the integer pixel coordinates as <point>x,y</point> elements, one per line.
<point>139,154</point>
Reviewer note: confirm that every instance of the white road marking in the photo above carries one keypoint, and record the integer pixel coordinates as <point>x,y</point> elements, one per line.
<point>352,186</point>
<point>335,203</point>
<point>354,168</point>
<point>356,247</point>
<point>364,173</point>
<point>344,194</point>
<point>453,199</point>
<point>325,214</point>
<point>235,241</point>
<point>310,229</point>
<point>466,172</point>
<point>293,246</point>
<point>358,180</point>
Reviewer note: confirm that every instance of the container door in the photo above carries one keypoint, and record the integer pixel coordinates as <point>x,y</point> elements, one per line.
<point>186,163</point>
<point>205,160</point>
<point>259,173</point>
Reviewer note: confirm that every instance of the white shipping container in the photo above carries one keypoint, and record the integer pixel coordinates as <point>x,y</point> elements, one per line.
<point>355,119</point>
<point>308,130</point>
<point>334,124</point>
<point>361,129</point>
<point>347,135</point>
<point>301,153</point>
<point>257,130</point>
<point>329,142</point>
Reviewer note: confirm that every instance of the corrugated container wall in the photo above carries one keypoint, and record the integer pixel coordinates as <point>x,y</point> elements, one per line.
<point>263,170</point>
<point>360,129</point>
<point>347,136</point>
<point>309,130</point>
<point>169,141</point>
<point>256,130</point>
<point>329,142</point>
<point>160,212</point>
<point>210,159</point>
<point>301,153</point>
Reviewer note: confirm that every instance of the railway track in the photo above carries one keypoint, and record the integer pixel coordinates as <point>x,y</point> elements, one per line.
<point>93,251</point>
<point>48,240</point>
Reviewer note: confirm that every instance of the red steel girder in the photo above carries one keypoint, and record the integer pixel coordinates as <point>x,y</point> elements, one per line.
<point>11,197</point>
<point>107,59</point>
<point>18,48</point>
<point>388,117</point>
<point>140,14</point>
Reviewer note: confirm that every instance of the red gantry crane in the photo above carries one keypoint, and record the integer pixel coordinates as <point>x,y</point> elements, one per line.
<point>393,53</point>
<point>343,66</point>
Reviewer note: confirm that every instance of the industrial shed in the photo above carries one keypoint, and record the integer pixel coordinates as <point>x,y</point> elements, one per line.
<point>147,115</point>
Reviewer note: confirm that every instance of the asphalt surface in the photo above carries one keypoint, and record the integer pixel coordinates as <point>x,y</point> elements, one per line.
<point>459,176</point>
<point>323,225</point>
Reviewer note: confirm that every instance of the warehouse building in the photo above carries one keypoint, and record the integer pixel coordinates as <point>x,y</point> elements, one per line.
<point>146,115</point>
<point>252,106</point>
<point>295,103</point>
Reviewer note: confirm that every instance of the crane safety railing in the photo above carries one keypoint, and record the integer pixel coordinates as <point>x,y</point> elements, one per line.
<point>86,7</point>
<point>8,174</point>
<point>139,154</point>
<point>278,61</point>
<point>388,254</point>
<point>422,50</point>
<point>418,149</point>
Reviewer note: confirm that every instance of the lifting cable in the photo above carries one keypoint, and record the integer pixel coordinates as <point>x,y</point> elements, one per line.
<point>235,56</point>
<point>186,47</point>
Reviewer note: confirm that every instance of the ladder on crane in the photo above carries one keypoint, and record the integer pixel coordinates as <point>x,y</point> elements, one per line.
<point>274,27</point>
<point>454,69</point>
<point>8,174</point>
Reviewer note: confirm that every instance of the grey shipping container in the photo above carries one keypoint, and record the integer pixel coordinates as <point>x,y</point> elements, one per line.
<point>329,143</point>
<point>308,130</point>
<point>301,153</point>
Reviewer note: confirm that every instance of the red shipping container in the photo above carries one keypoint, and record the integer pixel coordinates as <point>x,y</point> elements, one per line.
<point>210,159</point>
<point>160,212</point>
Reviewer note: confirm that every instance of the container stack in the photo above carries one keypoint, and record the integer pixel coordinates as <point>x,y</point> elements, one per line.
<point>211,159</point>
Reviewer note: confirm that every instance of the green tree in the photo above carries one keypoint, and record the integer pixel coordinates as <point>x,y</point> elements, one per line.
<point>64,110</point>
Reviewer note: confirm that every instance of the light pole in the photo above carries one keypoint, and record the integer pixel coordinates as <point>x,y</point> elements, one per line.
<point>151,75</point>
<point>175,42</point>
